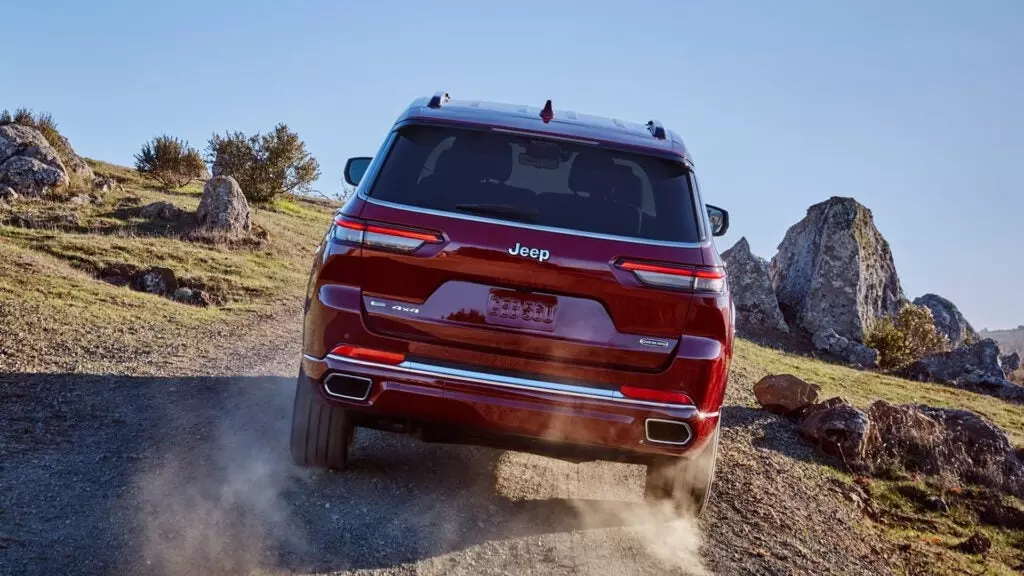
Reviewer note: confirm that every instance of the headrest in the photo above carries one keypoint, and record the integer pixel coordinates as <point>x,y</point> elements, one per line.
<point>589,173</point>
<point>476,157</point>
<point>626,186</point>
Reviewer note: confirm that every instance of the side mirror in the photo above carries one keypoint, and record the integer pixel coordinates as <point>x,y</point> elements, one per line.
<point>719,220</point>
<point>355,168</point>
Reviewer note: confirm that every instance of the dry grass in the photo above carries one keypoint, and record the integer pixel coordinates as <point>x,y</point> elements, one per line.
<point>56,315</point>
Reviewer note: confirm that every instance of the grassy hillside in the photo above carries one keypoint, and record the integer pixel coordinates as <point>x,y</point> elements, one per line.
<point>59,316</point>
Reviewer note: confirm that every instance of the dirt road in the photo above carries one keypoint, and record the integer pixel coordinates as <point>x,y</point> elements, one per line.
<point>188,473</point>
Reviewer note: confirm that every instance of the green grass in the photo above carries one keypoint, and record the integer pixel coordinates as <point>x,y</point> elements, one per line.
<point>862,388</point>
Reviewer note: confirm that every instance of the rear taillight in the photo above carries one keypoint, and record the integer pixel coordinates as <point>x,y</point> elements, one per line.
<point>382,236</point>
<point>654,395</point>
<point>369,354</point>
<point>692,279</point>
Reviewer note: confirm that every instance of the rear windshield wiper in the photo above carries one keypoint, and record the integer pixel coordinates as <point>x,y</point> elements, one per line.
<point>501,210</point>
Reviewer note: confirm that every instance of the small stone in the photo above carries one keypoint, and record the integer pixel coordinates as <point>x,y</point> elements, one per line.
<point>183,295</point>
<point>80,200</point>
<point>837,428</point>
<point>158,280</point>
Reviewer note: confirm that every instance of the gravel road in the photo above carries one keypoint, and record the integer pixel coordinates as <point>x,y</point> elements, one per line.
<point>187,472</point>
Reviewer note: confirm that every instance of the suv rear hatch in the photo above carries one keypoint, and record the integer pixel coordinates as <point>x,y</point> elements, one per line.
<point>517,246</point>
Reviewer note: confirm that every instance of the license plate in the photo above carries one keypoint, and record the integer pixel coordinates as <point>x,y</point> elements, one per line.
<point>521,310</point>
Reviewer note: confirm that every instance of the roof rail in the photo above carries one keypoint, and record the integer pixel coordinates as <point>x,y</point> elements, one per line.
<point>438,100</point>
<point>657,130</point>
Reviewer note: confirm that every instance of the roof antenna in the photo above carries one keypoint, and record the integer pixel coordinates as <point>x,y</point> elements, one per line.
<point>547,113</point>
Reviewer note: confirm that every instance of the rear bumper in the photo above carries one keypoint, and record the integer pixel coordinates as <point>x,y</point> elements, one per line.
<point>516,409</point>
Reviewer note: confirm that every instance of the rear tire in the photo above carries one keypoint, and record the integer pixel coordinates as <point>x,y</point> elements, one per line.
<point>321,432</point>
<point>685,482</point>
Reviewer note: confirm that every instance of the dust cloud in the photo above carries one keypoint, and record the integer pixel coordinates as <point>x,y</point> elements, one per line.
<point>214,501</point>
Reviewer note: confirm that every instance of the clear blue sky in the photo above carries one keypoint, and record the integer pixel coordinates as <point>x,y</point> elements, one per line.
<point>916,110</point>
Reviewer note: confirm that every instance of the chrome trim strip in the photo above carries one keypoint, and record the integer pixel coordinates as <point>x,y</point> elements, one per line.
<point>369,386</point>
<point>422,369</point>
<point>647,432</point>
<point>567,231</point>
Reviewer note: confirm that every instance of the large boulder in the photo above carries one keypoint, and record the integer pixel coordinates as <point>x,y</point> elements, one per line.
<point>751,286</point>
<point>30,177</point>
<point>28,164</point>
<point>838,428</point>
<point>835,270</point>
<point>848,350</point>
<point>948,319</point>
<point>785,394</point>
<point>974,367</point>
<point>223,207</point>
<point>73,162</point>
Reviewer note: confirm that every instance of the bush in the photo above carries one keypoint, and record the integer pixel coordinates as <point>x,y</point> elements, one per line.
<point>170,161</point>
<point>265,165</point>
<point>906,338</point>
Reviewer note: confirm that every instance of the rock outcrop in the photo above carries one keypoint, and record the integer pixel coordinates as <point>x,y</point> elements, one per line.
<point>223,207</point>
<point>28,164</point>
<point>73,162</point>
<point>160,210</point>
<point>785,394</point>
<point>752,291</point>
<point>834,270</point>
<point>975,367</point>
<point>849,351</point>
<point>948,319</point>
<point>838,428</point>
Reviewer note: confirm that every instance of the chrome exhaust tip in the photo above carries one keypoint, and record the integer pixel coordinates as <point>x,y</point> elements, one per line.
<point>669,432</point>
<point>348,387</point>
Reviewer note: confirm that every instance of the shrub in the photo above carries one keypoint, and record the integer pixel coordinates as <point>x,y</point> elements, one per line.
<point>906,338</point>
<point>170,161</point>
<point>265,165</point>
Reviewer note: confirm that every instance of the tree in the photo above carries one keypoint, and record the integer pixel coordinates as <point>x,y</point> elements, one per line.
<point>265,165</point>
<point>170,161</point>
<point>906,338</point>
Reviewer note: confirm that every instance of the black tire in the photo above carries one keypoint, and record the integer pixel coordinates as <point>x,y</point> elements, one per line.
<point>321,432</point>
<point>685,482</point>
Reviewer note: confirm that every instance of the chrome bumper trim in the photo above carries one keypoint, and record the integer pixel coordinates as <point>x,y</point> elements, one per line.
<point>528,384</point>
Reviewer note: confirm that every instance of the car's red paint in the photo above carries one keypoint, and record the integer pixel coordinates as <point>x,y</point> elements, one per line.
<point>587,321</point>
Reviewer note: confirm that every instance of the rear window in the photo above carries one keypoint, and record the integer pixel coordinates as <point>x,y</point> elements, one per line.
<point>564,185</point>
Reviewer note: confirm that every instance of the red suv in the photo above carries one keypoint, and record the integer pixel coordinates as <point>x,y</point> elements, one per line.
<point>523,278</point>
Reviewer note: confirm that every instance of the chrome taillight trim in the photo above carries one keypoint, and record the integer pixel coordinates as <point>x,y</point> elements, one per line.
<point>528,384</point>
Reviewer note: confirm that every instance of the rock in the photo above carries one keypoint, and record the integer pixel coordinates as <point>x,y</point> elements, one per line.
<point>106,185</point>
<point>838,428</point>
<point>834,270</point>
<point>785,394</point>
<point>31,177</point>
<point>80,200</point>
<point>978,543</point>
<point>18,140</point>
<point>1009,362</point>
<point>161,210</point>
<point>948,319</point>
<point>223,207</point>
<point>975,367</point>
<point>751,286</point>
<point>74,162</point>
<point>945,441</point>
<point>158,280</point>
<point>192,296</point>
<point>905,435</point>
<point>119,274</point>
<point>851,352</point>
<point>7,194</point>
